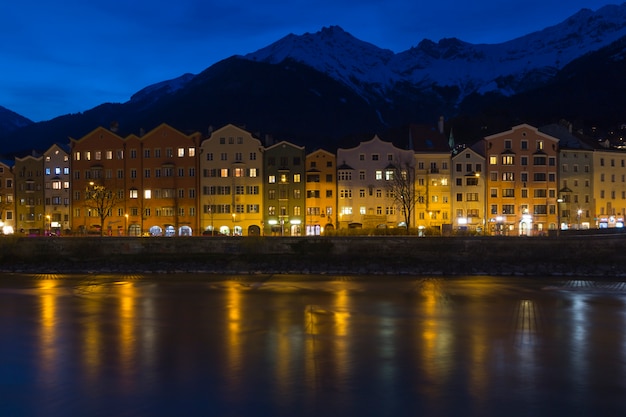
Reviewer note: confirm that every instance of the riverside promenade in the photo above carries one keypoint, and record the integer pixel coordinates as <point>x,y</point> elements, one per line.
<point>583,255</point>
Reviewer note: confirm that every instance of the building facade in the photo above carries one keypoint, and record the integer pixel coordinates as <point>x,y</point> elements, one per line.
<point>231,200</point>
<point>7,198</point>
<point>468,199</point>
<point>321,192</point>
<point>29,195</point>
<point>163,183</point>
<point>522,182</point>
<point>57,198</point>
<point>285,190</point>
<point>365,184</point>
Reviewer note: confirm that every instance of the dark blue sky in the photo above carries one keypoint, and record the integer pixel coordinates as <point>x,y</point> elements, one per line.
<point>67,57</point>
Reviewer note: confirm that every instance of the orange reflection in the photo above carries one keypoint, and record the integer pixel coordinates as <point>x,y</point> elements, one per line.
<point>436,338</point>
<point>48,330</point>
<point>341,336</point>
<point>127,321</point>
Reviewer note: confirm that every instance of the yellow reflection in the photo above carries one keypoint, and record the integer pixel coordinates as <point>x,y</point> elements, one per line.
<point>341,317</point>
<point>311,355</point>
<point>48,330</point>
<point>127,326</point>
<point>234,348</point>
<point>92,338</point>
<point>436,338</point>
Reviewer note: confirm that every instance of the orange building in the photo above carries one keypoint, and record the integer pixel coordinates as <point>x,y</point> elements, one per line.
<point>522,182</point>
<point>150,179</point>
<point>321,192</point>
<point>162,183</point>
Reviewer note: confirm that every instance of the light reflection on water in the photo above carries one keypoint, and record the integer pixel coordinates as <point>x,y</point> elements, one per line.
<point>472,346</point>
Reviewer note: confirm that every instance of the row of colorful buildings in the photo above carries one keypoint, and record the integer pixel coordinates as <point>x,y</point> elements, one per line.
<point>524,181</point>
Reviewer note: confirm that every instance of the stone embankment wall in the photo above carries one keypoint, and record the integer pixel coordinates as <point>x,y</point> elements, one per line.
<point>600,256</point>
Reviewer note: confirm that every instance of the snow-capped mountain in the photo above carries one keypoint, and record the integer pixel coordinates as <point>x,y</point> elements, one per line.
<point>507,68</point>
<point>329,88</point>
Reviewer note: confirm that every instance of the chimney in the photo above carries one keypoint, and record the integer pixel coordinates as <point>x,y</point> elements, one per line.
<point>440,124</point>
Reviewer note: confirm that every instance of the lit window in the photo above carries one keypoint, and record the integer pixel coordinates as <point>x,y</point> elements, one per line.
<point>272,179</point>
<point>133,193</point>
<point>181,152</point>
<point>147,194</point>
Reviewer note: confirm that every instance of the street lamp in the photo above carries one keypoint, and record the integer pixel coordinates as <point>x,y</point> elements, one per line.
<point>580,212</point>
<point>126,224</point>
<point>558,216</point>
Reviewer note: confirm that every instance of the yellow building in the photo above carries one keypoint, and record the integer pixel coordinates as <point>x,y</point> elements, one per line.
<point>432,179</point>
<point>231,199</point>
<point>609,188</point>
<point>321,192</point>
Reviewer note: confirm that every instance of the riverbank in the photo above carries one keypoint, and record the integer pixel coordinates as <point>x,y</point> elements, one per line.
<point>591,255</point>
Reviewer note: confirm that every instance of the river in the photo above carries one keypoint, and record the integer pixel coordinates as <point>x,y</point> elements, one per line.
<point>192,345</point>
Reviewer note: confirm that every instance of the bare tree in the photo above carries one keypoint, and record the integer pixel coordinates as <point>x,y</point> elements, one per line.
<point>102,200</point>
<point>401,188</point>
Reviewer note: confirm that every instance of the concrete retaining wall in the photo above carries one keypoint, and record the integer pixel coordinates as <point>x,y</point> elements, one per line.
<point>576,255</point>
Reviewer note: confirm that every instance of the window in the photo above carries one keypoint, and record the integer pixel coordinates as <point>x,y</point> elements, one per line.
<point>181,152</point>
<point>508,176</point>
<point>133,193</point>
<point>296,177</point>
<point>493,160</point>
<point>508,209</point>
<point>508,192</point>
<point>508,160</point>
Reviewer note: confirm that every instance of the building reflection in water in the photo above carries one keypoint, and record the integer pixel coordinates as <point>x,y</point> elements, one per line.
<point>234,345</point>
<point>435,340</point>
<point>49,350</point>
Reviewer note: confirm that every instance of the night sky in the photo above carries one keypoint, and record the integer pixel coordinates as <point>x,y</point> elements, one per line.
<point>67,57</point>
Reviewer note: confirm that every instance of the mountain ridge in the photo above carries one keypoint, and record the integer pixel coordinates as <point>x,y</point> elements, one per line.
<point>333,86</point>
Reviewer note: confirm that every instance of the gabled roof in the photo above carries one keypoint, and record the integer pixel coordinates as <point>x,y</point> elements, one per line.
<point>567,140</point>
<point>426,138</point>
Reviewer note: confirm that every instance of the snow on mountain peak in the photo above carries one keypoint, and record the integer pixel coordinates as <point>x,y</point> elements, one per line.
<point>451,62</point>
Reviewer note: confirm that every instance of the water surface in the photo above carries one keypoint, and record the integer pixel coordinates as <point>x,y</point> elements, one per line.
<point>131,345</point>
